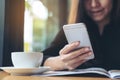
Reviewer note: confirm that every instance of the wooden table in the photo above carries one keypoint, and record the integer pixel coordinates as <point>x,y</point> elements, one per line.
<point>6,76</point>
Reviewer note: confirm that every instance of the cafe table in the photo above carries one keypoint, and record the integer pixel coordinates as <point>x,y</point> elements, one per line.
<point>6,76</point>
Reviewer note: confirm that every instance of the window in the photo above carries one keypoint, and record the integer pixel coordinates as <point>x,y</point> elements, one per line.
<point>42,21</point>
<point>2,5</point>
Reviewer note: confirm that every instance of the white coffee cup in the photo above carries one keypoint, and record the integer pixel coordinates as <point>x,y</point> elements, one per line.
<point>26,59</point>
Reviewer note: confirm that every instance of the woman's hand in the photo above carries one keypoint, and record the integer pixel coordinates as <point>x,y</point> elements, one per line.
<point>73,58</point>
<point>69,58</point>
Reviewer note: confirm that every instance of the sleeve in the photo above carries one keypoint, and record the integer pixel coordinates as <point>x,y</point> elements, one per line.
<point>58,43</point>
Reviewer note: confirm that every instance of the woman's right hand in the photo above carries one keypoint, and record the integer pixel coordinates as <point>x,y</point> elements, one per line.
<point>69,58</point>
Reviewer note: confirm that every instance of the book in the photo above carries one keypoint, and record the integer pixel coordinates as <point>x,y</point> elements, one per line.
<point>94,70</point>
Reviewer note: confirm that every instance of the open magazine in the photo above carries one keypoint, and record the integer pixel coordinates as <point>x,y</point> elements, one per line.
<point>94,70</point>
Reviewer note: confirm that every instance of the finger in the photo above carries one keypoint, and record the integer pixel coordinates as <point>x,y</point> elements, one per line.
<point>69,47</point>
<point>84,56</point>
<point>75,54</point>
<point>78,59</point>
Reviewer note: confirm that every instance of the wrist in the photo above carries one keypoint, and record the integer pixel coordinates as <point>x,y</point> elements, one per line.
<point>55,63</point>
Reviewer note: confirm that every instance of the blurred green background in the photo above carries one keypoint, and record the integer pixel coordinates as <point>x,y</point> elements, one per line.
<point>43,20</point>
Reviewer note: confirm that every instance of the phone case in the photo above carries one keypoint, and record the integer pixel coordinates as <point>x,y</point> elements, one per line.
<point>78,32</point>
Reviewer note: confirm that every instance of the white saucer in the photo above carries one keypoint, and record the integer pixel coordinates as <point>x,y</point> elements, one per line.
<point>24,71</point>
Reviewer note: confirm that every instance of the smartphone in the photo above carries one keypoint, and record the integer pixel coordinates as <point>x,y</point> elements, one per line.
<point>78,32</point>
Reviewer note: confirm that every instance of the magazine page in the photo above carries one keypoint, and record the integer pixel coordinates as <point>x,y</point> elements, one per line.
<point>100,71</point>
<point>114,73</point>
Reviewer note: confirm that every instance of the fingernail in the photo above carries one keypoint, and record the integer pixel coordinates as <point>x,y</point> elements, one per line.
<point>77,43</point>
<point>87,49</point>
<point>90,53</point>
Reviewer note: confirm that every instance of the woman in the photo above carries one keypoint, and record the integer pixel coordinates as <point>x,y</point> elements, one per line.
<point>102,20</point>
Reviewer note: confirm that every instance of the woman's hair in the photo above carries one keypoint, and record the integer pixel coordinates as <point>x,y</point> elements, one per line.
<point>77,13</point>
